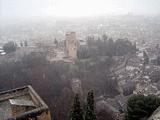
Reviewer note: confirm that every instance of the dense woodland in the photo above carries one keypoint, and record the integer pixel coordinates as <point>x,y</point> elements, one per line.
<point>104,46</point>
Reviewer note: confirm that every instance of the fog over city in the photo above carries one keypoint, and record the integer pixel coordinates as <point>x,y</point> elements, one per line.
<point>79,59</point>
<point>77,8</point>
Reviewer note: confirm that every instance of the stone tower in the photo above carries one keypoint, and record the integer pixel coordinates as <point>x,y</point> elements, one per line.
<point>71,45</point>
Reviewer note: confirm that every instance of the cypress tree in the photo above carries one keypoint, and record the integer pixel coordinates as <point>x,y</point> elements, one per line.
<point>76,111</point>
<point>146,58</point>
<point>89,112</point>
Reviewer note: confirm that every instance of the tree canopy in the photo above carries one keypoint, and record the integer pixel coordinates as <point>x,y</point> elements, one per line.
<point>140,106</point>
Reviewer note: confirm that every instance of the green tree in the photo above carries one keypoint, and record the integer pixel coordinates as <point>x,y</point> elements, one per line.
<point>146,58</point>
<point>10,47</point>
<point>55,41</point>
<point>25,43</point>
<point>21,44</point>
<point>76,111</point>
<point>90,113</point>
<point>104,37</point>
<point>141,107</point>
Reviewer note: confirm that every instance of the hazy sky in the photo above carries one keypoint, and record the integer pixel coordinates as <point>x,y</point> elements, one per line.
<point>75,8</point>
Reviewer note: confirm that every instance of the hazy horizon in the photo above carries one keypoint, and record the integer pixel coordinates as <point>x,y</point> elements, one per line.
<point>76,8</point>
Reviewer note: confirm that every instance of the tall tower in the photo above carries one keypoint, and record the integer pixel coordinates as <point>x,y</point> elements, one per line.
<point>71,45</point>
